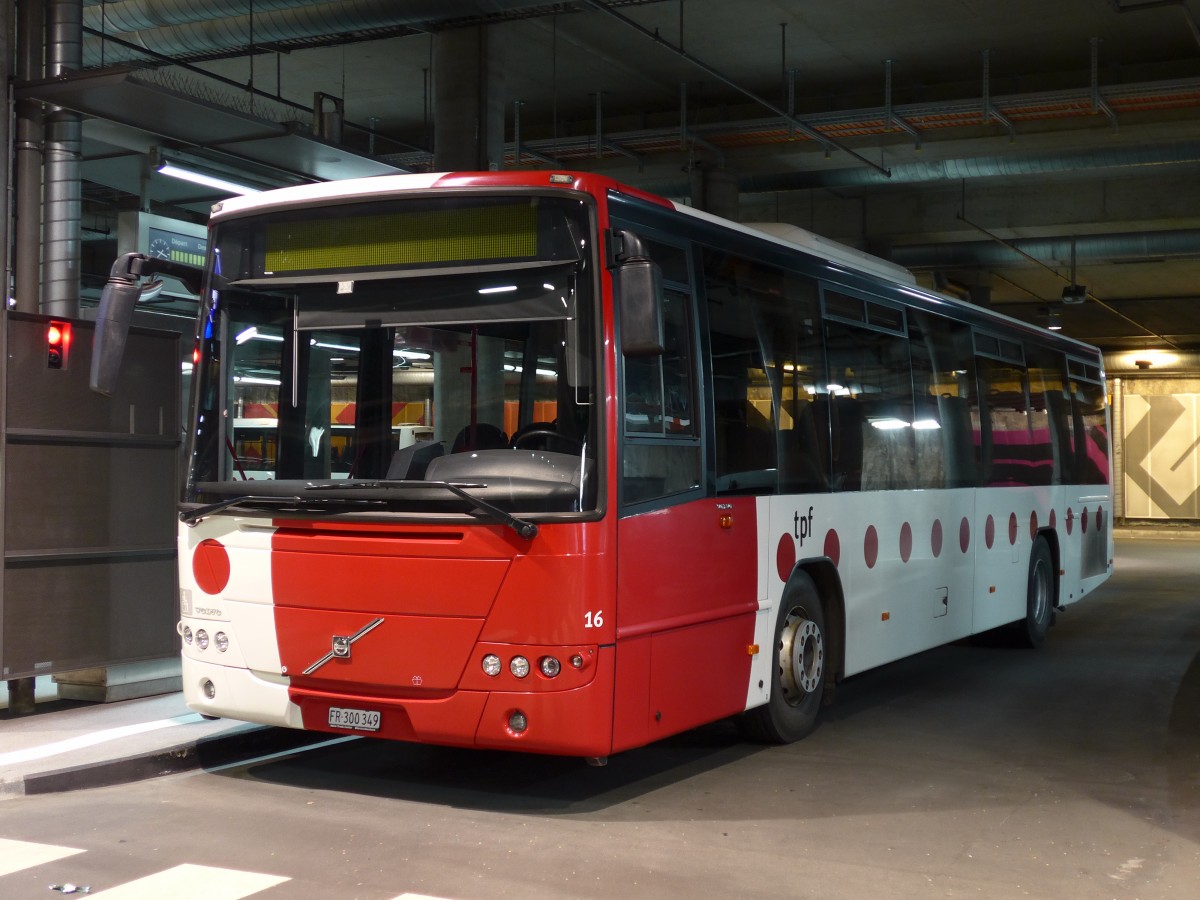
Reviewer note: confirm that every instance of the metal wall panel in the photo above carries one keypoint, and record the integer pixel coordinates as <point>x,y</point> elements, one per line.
<point>1162,466</point>
<point>89,491</point>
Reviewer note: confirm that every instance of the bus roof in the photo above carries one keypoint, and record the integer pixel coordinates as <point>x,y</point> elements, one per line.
<point>783,234</point>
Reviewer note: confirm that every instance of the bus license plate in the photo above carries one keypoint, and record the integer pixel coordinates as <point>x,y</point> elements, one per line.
<point>355,719</point>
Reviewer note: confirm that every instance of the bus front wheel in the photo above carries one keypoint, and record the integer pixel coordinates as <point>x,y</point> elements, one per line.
<point>798,668</point>
<point>1039,604</point>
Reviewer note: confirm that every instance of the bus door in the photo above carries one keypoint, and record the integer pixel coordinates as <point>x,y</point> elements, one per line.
<point>686,582</point>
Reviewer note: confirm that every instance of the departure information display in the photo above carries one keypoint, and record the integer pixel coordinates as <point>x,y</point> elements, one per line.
<point>402,238</point>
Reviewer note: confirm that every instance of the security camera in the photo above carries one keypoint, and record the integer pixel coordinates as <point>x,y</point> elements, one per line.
<point>1074,293</point>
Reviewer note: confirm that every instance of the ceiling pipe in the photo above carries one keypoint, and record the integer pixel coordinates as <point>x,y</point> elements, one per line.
<point>956,170</point>
<point>209,30</point>
<point>116,16</point>
<point>800,125</point>
<point>1107,248</point>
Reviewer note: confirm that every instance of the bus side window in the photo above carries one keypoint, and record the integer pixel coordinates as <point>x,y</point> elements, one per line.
<point>770,425</point>
<point>870,384</point>
<point>1049,416</point>
<point>1008,449</point>
<point>1090,427</point>
<point>943,366</point>
<point>661,452</point>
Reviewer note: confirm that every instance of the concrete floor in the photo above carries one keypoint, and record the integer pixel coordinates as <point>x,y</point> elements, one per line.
<point>975,770</point>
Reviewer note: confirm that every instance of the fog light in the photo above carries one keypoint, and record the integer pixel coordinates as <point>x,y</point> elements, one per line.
<point>210,689</point>
<point>201,638</point>
<point>549,666</point>
<point>519,666</point>
<point>517,722</point>
<point>187,634</point>
<point>221,639</point>
<point>491,665</point>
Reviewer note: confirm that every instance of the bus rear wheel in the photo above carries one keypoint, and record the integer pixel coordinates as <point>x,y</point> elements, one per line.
<point>1039,603</point>
<point>798,668</point>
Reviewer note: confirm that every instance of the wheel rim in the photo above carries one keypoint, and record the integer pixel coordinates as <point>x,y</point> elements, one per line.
<point>1039,591</point>
<point>801,657</point>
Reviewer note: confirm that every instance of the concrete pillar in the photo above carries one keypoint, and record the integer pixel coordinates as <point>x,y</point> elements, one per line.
<point>20,696</point>
<point>468,100</point>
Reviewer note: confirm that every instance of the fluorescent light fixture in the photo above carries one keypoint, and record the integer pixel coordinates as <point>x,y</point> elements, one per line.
<point>499,289</point>
<point>254,379</point>
<point>253,334</point>
<point>325,345</point>
<point>887,423</point>
<point>203,178</point>
<point>926,425</point>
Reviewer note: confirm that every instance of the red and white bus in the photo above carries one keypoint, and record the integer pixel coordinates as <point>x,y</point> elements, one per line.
<point>680,469</point>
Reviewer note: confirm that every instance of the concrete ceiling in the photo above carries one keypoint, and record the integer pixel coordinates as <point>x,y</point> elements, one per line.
<point>976,142</point>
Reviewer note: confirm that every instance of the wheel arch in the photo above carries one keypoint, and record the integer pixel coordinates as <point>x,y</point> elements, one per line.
<point>1051,537</point>
<point>825,579</point>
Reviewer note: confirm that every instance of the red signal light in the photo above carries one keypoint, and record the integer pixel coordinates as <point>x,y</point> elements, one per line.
<point>58,343</point>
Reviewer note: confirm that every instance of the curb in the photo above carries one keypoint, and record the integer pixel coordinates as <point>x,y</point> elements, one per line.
<point>211,752</point>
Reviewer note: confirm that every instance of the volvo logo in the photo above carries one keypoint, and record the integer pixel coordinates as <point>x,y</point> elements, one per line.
<point>342,645</point>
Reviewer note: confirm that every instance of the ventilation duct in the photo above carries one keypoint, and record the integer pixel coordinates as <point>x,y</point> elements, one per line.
<point>62,203</point>
<point>1108,248</point>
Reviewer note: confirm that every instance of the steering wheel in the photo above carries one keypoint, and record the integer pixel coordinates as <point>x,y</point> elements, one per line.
<point>549,435</point>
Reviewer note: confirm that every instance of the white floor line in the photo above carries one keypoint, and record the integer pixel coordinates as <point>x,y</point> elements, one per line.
<point>18,855</point>
<point>191,882</point>
<point>90,740</point>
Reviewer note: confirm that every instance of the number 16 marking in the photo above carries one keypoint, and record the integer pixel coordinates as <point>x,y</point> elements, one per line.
<point>593,619</point>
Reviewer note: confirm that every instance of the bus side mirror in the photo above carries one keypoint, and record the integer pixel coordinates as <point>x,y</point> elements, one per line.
<point>639,288</point>
<point>117,300</point>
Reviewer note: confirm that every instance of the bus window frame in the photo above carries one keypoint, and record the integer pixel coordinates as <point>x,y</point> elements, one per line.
<point>657,240</point>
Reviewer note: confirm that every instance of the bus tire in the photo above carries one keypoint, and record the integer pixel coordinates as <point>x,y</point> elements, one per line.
<point>1039,602</point>
<point>799,664</point>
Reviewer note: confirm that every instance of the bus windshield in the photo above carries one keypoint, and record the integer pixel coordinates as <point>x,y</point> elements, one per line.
<point>349,352</point>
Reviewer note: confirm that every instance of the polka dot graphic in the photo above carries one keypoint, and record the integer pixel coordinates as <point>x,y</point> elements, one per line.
<point>833,546</point>
<point>210,566</point>
<point>785,557</point>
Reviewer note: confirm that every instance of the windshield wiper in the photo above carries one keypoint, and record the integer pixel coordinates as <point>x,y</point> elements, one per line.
<point>524,528</point>
<point>192,516</point>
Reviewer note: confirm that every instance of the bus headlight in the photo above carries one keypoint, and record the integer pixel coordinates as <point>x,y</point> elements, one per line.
<point>549,666</point>
<point>491,665</point>
<point>221,639</point>
<point>519,666</point>
<point>201,638</point>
